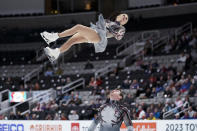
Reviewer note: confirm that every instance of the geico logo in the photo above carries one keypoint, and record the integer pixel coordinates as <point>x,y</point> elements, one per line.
<point>75,128</point>
<point>40,127</point>
<point>11,127</point>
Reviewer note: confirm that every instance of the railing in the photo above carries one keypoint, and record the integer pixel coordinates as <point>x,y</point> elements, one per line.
<point>73,85</point>
<point>162,41</point>
<point>34,73</point>
<point>128,43</point>
<point>4,103</point>
<point>183,29</point>
<point>2,93</point>
<point>171,112</point>
<point>105,70</point>
<point>143,36</point>
<point>152,34</point>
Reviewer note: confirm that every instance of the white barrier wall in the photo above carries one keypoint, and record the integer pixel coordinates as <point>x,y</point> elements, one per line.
<point>159,125</point>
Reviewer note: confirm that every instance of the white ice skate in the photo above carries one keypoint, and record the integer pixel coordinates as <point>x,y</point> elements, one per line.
<point>49,37</point>
<point>52,54</point>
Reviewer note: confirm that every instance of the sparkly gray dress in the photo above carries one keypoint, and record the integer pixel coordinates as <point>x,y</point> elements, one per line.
<point>106,29</point>
<point>111,116</point>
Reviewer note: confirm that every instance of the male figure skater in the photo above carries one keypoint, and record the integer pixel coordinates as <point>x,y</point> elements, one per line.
<point>112,114</point>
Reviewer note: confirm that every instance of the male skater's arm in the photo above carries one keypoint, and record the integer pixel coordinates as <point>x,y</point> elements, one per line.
<point>127,120</point>
<point>94,124</point>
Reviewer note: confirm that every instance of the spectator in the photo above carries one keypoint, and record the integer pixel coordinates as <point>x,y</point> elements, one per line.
<point>12,116</point>
<point>48,117</point>
<point>21,87</point>
<point>186,102</point>
<point>125,84</point>
<point>2,117</point>
<point>148,93</point>
<point>36,86</point>
<point>177,116</point>
<point>114,73</point>
<point>134,85</point>
<point>68,80</point>
<point>92,82</point>
<point>186,85</point>
<point>148,47</point>
<point>129,99</point>
<point>194,54</point>
<point>151,117</point>
<point>63,116</point>
<point>49,72</point>
<point>194,116</point>
<point>153,93</point>
<point>53,105</point>
<point>73,115</point>
<point>99,81</point>
<point>193,41</point>
<point>141,113</point>
<point>59,71</point>
<point>37,108</point>
<point>77,100</point>
<point>148,111</point>
<point>192,91</point>
<point>167,48</point>
<point>19,116</point>
<point>169,81</point>
<point>34,117</point>
<point>188,62</point>
<point>191,112</point>
<point>157,114</point>
<point>27,116</point>
<point>167,106</point>
<point>186,115</point>
<point>89,65</point>
<point>178,102</point>
<point>182,58</point>
<point>43,107</point>
<point>56,117</point>
<point>9,81</point>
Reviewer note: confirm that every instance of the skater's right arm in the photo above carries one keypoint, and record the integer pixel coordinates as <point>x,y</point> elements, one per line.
<point>93,125</point>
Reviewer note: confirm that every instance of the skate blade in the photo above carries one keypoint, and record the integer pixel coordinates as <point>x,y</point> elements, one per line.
<point>45,39</point>
<point>51,59</point>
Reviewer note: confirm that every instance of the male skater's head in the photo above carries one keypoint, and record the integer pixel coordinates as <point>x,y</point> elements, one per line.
<point>116,95</point>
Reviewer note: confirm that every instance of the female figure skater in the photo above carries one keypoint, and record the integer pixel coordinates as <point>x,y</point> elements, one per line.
<point>111,115</point>
<point>96,34</point>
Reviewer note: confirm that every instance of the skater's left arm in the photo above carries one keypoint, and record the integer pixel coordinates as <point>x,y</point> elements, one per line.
<point>127,120</point>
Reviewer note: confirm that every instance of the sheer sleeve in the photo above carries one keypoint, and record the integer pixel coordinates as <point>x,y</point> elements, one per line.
<point>127,119</point>
<point>93,125</point>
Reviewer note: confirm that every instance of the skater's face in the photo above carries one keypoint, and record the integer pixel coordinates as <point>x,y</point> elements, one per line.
<point>115,95</point>
<point>122,18</point>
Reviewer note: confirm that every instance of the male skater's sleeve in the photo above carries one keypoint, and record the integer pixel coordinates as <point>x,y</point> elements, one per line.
<point>93,124</point>
<point>127,119</point>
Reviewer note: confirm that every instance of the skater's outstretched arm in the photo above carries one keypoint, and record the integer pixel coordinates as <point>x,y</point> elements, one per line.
<point>93,125</point>
<point>127,120</point>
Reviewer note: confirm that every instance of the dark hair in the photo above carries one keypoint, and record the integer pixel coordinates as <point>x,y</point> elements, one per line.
<point>113,15</point>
